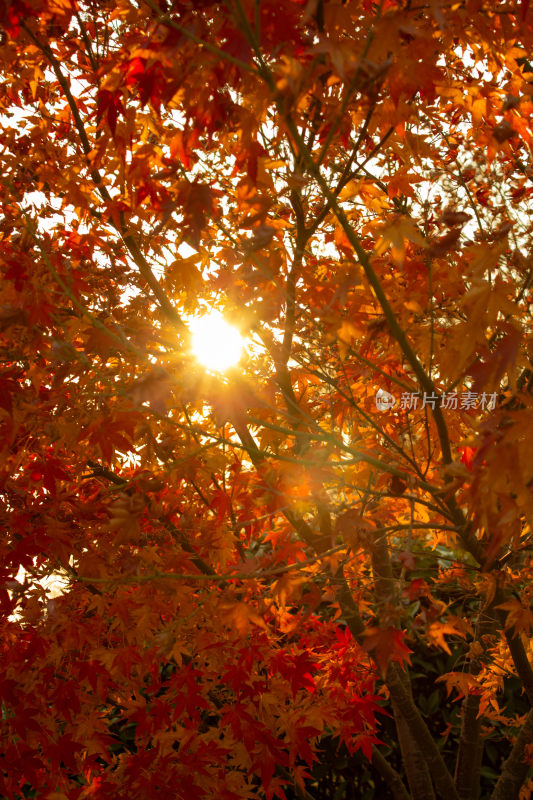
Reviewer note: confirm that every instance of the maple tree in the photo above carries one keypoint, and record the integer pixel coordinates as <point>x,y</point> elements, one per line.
<point>272,570</point>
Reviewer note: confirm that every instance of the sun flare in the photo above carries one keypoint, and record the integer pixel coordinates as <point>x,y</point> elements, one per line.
<point>215,343</point>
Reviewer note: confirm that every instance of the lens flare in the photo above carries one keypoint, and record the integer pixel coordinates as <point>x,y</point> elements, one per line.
<point>215,343</point>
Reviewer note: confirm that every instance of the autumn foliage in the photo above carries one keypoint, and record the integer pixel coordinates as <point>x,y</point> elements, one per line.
<point>262,583</point>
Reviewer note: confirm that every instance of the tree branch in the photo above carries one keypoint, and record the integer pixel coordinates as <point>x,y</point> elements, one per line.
<point>126,235</point>
<point>442,779</point>
<point>516,648</point>
<point>389,774</point>
<point>515,769</point>
<point>470,751</point>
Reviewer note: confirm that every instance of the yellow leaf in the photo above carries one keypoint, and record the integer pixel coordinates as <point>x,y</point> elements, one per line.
<point>394,235</point>
<point>475,650</point>
<point>437,631</point>
<point>240,616</point>
<point>273,164</point>
<point>60,8</point>
<point>464,682</point>
<point>345,336</point>
<point>288,587</point>
<point>401,183</point>
<point>350,190</point>
<point>519,617</point>
<point>413,305</point>
<point>184,274</point>
<point>479,110</point>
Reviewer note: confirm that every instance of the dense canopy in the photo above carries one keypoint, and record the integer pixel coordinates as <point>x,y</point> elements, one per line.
<point>298,563</point>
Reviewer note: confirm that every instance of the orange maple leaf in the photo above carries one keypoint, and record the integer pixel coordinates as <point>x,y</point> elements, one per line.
<point>388,645</point>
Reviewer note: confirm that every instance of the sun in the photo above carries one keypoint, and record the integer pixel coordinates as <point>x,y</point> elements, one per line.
<point>215,343</point>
